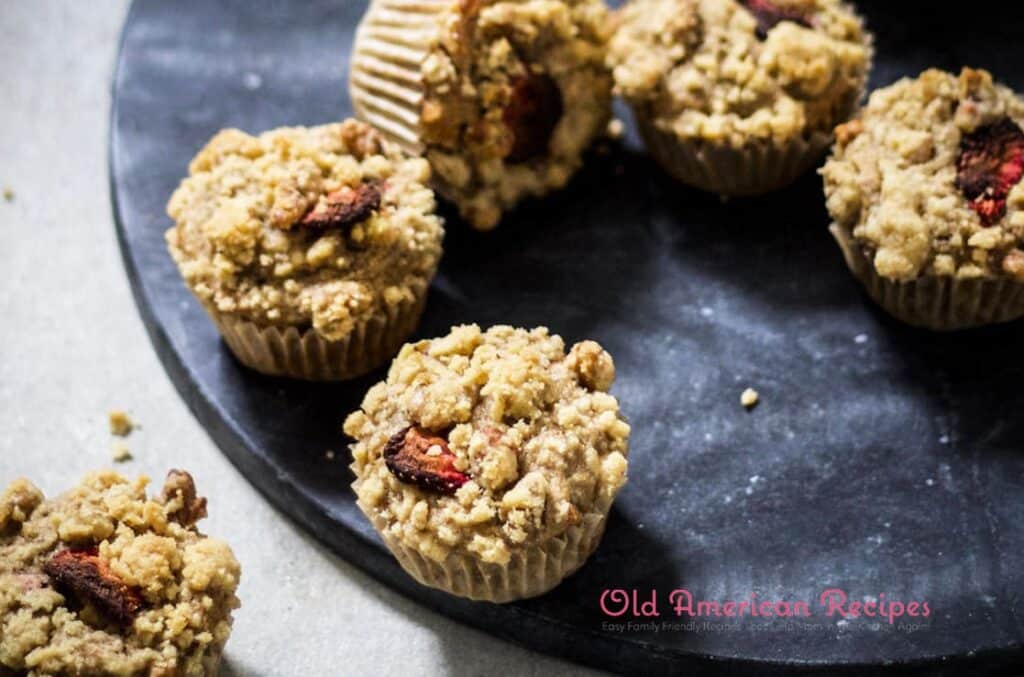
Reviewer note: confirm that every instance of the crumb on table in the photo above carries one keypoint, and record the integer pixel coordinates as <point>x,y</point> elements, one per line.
<point>750,398</point>
<point>120,452</point>
<point>120,423</point>
<point>329,454</point>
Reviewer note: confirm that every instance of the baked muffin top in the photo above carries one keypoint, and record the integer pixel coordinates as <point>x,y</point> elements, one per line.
<point>317,227</point>
<point>728,71</point>
<point>489,442</point>
<point>103,580</point>
<point>928,179</point>
<point>513,93</point>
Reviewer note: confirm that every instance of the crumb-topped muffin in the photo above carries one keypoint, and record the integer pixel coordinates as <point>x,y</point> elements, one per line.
<point>739,97</point>
<point>927,201</point>
<point>311,248</point>
<point>488,461</point>
<point>501,96</point>
<point>105,581</point>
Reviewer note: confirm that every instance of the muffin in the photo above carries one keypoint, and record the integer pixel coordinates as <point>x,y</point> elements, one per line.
<point>739,97</point>
<point>501,96</point>
<point>927,202</point>
<point>488,461</point>
<point>105,581</point>
<point>311,248</point>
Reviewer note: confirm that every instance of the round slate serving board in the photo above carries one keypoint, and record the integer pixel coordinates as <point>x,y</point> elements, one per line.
<point>882,461</point>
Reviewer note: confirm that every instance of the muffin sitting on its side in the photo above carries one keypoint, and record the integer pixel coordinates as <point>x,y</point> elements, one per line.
<point>926,196</point>
<point>739,97</point>
<point>501,96</point>
<point>105,581</point>
<point>311,248</point>
<point>488,461</point>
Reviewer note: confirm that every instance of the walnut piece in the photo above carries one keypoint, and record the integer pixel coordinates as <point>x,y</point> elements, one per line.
<point>343,208</point>
<point>179,495</point>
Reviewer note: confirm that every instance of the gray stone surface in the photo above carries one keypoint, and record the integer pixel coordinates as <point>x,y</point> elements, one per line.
<point>73,347</point>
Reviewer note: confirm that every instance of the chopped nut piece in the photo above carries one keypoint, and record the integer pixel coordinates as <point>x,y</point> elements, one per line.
<point>8,194</point>
<point>82,574</point>
<point>593,366</point>
<point>17,502</point>
<point>750,398</point>
<point>848,131</point>
<point>179,495</point>
<point>991,162</point>
<point>531,115</point>
<point>120,423</point>
<point>344,208</point>
<point>120,452</point>
<point>1013,263</point>
<point>418,457</point>
<point>770,13</point>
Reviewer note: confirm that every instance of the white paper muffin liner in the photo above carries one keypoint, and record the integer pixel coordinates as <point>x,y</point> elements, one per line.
<point>941,303</point>
<point>393,40</point>
<point>758,167</point>
<point>304,354</point>
<point>531,571</point>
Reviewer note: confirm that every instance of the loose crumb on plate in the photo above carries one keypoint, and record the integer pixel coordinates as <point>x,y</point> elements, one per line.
<point>120,423</point>
<point>750,398</point>
<point>8,194</point>
<point>120,452</point>
<point>329,454</point>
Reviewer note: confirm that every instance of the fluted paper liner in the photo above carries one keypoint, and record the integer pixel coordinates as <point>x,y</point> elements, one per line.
<point>386,85</point>
<point>304,354</point>
<point>532,570</point>
<point>758,167</point>
<point>939,302</point>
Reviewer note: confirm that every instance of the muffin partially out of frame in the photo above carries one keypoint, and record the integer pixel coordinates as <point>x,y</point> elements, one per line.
<point>501,96</point>
<point>105,581</point>
<point>739,97</point>
<point>311,248</point>
<point>927,201</point>
<point>488,461</point>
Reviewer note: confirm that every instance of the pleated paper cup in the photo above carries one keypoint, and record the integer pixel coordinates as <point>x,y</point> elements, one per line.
<point>940,303</point>
<point>393,40</point>
<point>758,167</point>
<point>305,354</point>
<point>531,571</point>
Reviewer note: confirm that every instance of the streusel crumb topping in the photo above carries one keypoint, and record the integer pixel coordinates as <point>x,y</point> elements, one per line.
<point>515,92</point>
<point>928,180</point>
<point>103,580</point>
<point>505,440</point>
<point>728,71</point>
<point>320,226</point>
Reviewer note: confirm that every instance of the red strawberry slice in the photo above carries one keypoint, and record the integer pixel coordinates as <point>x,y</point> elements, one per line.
<point>990,164</point>
<point>419,457</point>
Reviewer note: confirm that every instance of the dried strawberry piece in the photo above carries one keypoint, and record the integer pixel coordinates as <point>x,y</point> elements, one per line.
<point>532,113</point>
<point>991,162</point>
<point>344,207</point>
<point>89,579</point>
<point>769,15</point>
<point>419,457</point>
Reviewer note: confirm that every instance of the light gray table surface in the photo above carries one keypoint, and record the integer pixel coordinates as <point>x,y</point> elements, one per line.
<point>72,347</point>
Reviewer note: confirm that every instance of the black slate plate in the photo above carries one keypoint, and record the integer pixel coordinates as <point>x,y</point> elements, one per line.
<point>883,460</point>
